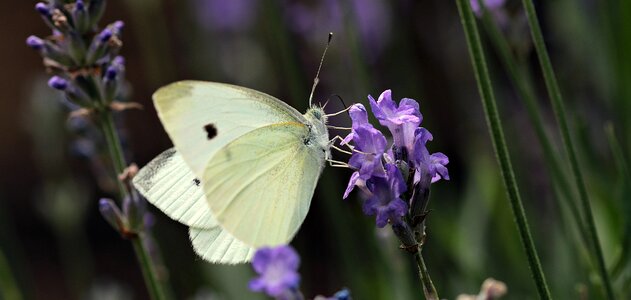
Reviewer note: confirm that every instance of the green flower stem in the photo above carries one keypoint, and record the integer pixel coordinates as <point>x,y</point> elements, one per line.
<point>8,286</point>
<point>625,174</point>
<point>559,112</point>
<point>154,285</point>
<point>497,136</point>
<point>525,90</point>
<point>426,281</point>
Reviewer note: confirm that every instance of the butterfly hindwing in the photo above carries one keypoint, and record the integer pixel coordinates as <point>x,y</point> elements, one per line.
<point>218,246</point>
<point>171,186</point>
<point>260,185</point>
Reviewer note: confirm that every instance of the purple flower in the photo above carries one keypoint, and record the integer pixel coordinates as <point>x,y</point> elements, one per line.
<point>437,169</point>
<point>435,163</point>
<point>371,145</point>
<point>277,269</point>
<point>385,201</point>
<point>402,120</point>
<point>359,117</point>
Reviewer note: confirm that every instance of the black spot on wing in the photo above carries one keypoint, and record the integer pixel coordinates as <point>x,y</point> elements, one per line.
<point>211,131</point>
<point>196,182</point>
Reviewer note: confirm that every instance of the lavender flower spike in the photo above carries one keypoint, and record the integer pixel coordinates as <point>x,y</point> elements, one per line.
<point>277,269</point>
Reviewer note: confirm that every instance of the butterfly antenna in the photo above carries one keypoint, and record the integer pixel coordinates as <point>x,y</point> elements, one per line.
<point>341,100</point>
<point>317,78</point>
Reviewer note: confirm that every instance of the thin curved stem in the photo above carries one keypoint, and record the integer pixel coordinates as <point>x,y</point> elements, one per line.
<point>497,136</point>
<point>8,286</point>
<point>428,286</point>
<point>559,111</point>
<point>154,285</point>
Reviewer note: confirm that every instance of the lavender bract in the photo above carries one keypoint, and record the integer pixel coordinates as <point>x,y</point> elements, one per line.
<point>277,269</point>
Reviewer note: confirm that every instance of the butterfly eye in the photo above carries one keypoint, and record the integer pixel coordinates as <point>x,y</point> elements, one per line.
<point>211,131</point>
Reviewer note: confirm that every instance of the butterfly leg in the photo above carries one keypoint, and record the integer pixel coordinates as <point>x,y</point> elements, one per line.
<point>338,164</point>
<point>339,112</point>
<point>340,128</point>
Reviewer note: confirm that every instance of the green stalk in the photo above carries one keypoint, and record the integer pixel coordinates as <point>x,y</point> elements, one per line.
<point>525,90</point>
<point>625,174</point>
<point>497,136</point>
<point>155,287</point>
<point>8,286</point>
<point>428,286</point>
<point>559,112</point>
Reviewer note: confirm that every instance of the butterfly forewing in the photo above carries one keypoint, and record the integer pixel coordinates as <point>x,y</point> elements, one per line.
<point>202,117</point>
<point>260,185</point>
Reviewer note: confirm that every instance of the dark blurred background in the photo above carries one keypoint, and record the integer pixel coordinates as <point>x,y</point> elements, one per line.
<point>52,174</point>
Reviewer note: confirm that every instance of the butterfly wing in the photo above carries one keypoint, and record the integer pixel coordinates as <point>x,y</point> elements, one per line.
<point>218,246</point>
<point>202,117</point>
<point>260,185</point>
<point>171,186</point>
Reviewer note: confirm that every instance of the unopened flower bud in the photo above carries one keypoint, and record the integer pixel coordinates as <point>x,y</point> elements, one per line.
<point>35,42</point>
<point>111,213</point>
<point>58,83</point>
<point>105,35</point>
<point>95,10</point>
<point>80,17</point>
<point>43,9</point>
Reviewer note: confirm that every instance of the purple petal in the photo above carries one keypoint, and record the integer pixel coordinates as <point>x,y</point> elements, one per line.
<point>351,184</point>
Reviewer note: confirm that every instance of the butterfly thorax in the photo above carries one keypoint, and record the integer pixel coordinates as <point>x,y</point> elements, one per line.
<point>318,136</point>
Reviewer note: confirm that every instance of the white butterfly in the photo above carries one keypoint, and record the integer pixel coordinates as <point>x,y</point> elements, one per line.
<point>244,167</point>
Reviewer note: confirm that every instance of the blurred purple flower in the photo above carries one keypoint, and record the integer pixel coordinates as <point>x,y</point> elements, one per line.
<point>221,15</point>
<point>58,83</point>
<point>385,201</point>
<point>495,9</point>
<point>277,269</point>
<point>491,5</point>
<point>372,20</point>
